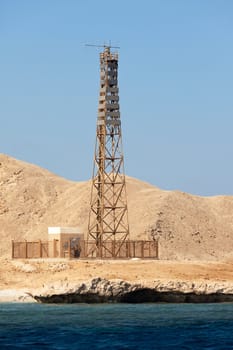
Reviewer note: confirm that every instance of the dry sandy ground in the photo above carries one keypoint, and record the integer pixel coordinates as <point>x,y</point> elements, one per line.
<point>21,274</point>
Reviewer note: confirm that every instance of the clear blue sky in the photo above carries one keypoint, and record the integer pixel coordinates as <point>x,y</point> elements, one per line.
<point>175,79</point>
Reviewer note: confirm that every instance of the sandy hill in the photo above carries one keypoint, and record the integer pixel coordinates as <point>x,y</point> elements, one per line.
<point>187,226</point>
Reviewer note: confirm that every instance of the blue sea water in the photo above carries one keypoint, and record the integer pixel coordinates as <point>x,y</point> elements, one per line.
<point>116,326</point>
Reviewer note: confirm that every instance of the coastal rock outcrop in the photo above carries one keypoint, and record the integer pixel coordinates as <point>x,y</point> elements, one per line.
<point>97,290</point>
<point>100,290</point>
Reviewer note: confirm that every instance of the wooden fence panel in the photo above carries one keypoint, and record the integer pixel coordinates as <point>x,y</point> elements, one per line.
<point>29,250</point>
<point>88,249</point>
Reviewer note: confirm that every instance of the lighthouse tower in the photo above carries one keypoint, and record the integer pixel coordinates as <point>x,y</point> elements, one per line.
<point>108,219</point>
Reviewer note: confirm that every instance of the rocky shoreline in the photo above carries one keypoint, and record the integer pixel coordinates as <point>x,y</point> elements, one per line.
<point>100,290</point>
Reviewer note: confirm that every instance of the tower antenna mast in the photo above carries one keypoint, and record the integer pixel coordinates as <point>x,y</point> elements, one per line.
<point>104,46</point>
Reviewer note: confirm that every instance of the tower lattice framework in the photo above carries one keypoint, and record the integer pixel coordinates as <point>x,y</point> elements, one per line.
<point>108,219</point>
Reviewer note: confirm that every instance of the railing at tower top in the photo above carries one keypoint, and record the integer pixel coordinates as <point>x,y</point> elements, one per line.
<point>111,56</point>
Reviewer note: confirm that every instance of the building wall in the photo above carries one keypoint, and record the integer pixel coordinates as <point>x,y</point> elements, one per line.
<point>64,245</point>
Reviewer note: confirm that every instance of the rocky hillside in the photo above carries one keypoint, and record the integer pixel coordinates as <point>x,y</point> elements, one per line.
<point>187,226</point>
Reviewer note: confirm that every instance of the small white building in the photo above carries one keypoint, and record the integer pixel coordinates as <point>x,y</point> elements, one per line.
<point>65,242</point>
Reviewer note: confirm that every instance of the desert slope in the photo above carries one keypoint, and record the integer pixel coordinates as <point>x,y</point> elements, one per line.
<point>187,226</point>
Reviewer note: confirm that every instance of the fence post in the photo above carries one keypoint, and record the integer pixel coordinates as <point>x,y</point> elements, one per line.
<point>54,247</point>
<point>127,249</point>
<point>40,249</point>
<point>26,249</point>
<point>84,248</point>
<point>12,250</point>
<point>113,248</point>
<point>69,248</point>
<point>157,249</point>
<point>142,249</point>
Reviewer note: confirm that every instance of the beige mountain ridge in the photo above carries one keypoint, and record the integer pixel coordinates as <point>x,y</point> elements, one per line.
<point>188,227</point>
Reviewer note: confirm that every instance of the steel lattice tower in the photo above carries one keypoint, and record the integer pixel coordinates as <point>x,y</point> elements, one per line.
<point>108,219</point>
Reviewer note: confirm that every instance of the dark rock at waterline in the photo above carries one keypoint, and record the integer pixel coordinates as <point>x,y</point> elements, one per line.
<point>104,291</point>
